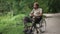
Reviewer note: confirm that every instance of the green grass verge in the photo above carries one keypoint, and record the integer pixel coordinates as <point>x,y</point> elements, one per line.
<point>11,24</point>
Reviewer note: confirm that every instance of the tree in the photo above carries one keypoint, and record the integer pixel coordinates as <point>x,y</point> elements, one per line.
<point>54,6</point>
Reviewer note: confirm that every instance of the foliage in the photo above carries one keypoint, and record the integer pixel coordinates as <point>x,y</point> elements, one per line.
<point>11,24</point>
<point>16,6</point>
<point>54,6</point>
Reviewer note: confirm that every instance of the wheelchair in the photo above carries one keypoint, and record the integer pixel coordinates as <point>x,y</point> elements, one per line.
<point>29,29</point>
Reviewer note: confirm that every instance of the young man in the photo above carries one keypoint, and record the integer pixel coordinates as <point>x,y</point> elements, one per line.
<point>36,13</point>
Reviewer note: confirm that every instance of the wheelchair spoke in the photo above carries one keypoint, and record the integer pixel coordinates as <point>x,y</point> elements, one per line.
<point>43,28</point>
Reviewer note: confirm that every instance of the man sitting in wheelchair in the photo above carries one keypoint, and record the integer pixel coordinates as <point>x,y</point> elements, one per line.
<point>36,13</point>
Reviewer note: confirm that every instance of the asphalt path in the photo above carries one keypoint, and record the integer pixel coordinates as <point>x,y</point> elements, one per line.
<point>53,24</point>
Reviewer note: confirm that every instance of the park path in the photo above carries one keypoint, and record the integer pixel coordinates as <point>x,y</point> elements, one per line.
<point>52,15</point>
<point>53,24</point>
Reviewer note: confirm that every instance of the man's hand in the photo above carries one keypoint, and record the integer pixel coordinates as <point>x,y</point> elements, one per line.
<point>32,14</point>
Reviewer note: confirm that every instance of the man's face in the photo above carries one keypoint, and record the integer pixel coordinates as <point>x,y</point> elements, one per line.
<point>35,6</point>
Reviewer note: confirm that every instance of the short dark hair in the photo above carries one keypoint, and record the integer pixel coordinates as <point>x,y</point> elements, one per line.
<point>36,4</point>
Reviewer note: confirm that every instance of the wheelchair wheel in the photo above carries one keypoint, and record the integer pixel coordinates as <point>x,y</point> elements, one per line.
<point>36,32</point>
<point>37,29</point>
<point>43,25</point>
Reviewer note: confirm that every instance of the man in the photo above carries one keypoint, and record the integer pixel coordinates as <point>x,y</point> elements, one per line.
<point>36,13</point>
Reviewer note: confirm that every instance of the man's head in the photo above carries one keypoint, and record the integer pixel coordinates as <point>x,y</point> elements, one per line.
<point>36,5</point>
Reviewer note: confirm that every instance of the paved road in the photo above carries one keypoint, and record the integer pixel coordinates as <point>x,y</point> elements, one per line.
<point>52,15</point>
<point>53,25</point>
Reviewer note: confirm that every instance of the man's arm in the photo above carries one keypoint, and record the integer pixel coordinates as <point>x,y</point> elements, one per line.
<point>40,12</point>
<point>31,14</point>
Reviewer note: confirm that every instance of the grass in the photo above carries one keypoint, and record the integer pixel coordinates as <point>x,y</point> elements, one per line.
<point>11,24</point>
